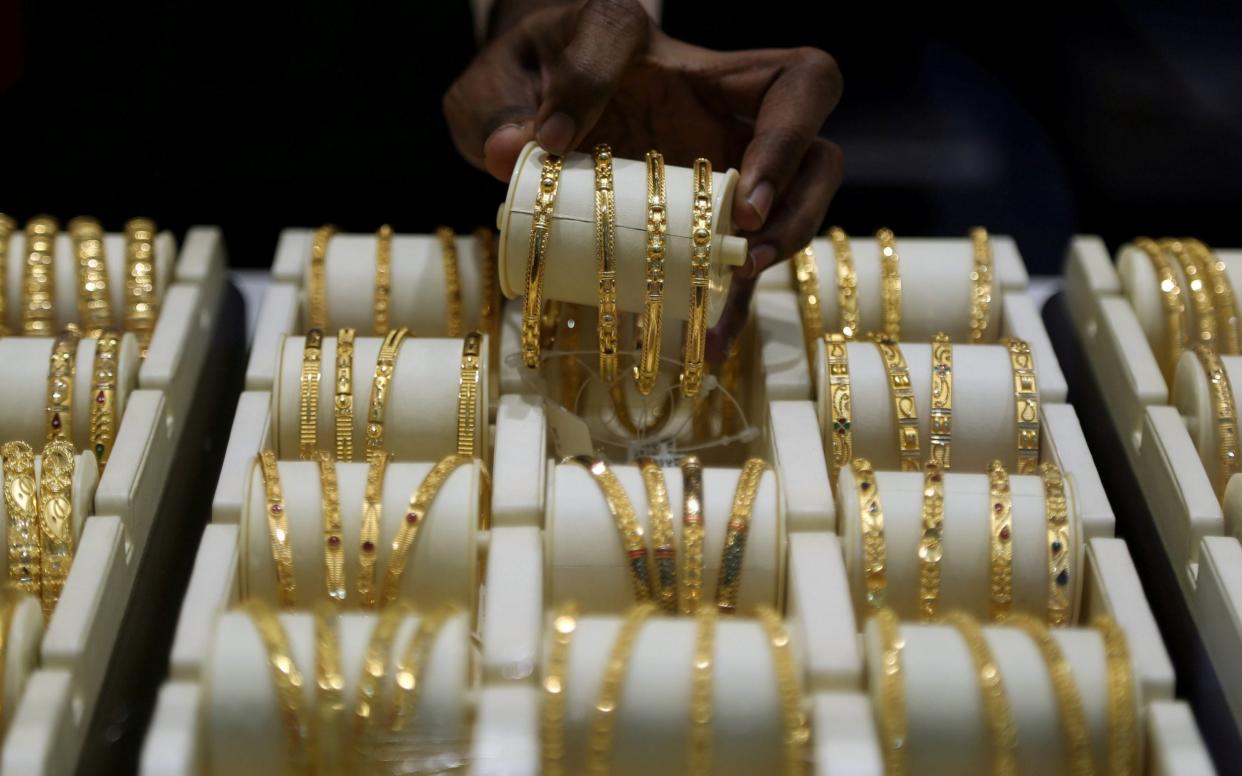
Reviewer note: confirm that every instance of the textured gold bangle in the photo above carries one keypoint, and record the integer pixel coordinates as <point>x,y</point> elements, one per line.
<point>840,404</point>
<point>604,715</point>
<point>316,279</point>
<point>94,303</point>
<point>1000,529</point>
<point>452,282</point>
<point>663,539</point>
<point>368,535</point>
<point>381,312</point>
<point>630,531</point>
<point>103,395</point>
<point>1222,296</point>
<point>308,396</point>
<point>60,375</point>
<point>278,529</point>
<point>606,263</point>
<point>1056,517</point>
<point>931,546</point>
<point>536,256</point>
<point>343,399</point>
<point>489,288</point>
<point>1197,290</point>
<point>700,763</point>
<point>847,284</point>
<point>287,682</point>
<point>329,691</point>
<point>905,409</point>
<point>56,519</point>
<point>892,693</point>
<point>891,279</point>
<point>653,306</point>
<point>552,724</point>
<point>992,691</point>
<point>1025,404</point>
<point>23,533</point>
<point>385,368</point>
<point>39,277</point>
<point>1172,302</point>
<point>468,393</point>
<point>333,548</point>
<point>691,562</point>
<point>797,731</point>
<point>411,667</point>
<point>734,552</point>
<point>940,423</point>
<point>871,511</point>
<point>416,513</point>
<point>1122,723</point>
<point>806,278</point>
<point>142,306</point>
<point>7,227</point>
<point>700,270</point>
<point>371,680</point>
<point>980,283</point>
<point>1226,416</point>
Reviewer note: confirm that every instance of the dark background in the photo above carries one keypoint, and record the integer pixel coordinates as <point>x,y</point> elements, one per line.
<point>1115,119</point>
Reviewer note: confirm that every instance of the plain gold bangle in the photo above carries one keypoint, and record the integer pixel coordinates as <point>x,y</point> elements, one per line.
<point>940,430</point>
<point>840,404</point>
<point>7,227</point>
<point>1226,416</point>
<point>56,519</point>
<point>489,288</point>
<point>103,395</point>
<point>806,279</point>
<point>606,263</point>
<point>700,763</point>
<point>60,375</point>
<point>416,514</point>
<point>383,281</point>
<point>411,668</point>
<point>94,302</point>
<point>24,535</point>
<point>931,546</point>
<point>980,283</point>
<point>871,512</point>
<point>700,270</point>
<point>333,546</point>
<point>797,731</point>
<point>992,691</point>
<point>1000,531</point>
<point>368,535</point>
<point>847,283</point>
<point>468,393</point>
<point>381,382</point>
<point>141,303</point>
<point>892,692</point>
<point>552,724</point>
<point>604,716</point>
<point>536,256</point>
<point>691,560</point>
<point>653,305</point>
<point>308,396</point>
<point>39,277</point>
<point>1222,296</point>
<point>1198,291</point>
<point>343,398</point>
<point>371,680</point>
<point>905,409</point>
<point>329,691</point>
<point>891,283</point>
<point>630,531</point>
<point>278,529</point>
<point>663,540</point>
<point>1025,404</point>
<point>452,282</point>
<point>316,279</point>
<point>734,552</point>
<point>1122,723</point>
<point>1172,303</point>
<point>287,682</point>
<point>1056,518</point>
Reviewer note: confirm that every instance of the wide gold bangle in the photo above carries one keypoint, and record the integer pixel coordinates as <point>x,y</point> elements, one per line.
<point>629,530</point>
<point>690,563</point>
<point>489,288</point>
<point>94,302</point>
<point>468,393</point>
<point>700,271</point>
<point>415,515</point>
<point>385,368</point>
<point>1222,295</point>
<point>552,724</point>
<point>278,529</point>
<point>1025,404</point>
<point>343,397</point>
<point>333,539</point>
<point>931,547</point>
<point>1226,416</point>
<point>287,682</point>
<point>1056,518</point>
<point>369,532</point>
<point>371,682</point>
<point>847,283</point>
<point>797,731</point>
<point>1122,723</point>
<point>316,279</point>
<point>890,290</point>
<point>382,305</point>
<point>23,533</point>
<point>892,692</point>
<point>536,256</point>
<point>871,511</point>
<point>56,519</point>
<point>452,282</point>
<point>142,306</point>
<point>60,374</point>
<point>604,715</point>
<point>411,668</point>
<point>1172,302</point>
<point>39,277</point>
<point>7,227</point>
<point>653,306</point>
<point>1197,290</point>
<point>700,763</point>
<point>606,263</point>
<point>905,409</point>
<point>663,538</point>
<point>840,405</point>
<point>734,552</point>
<point>940,422</point>
<point>806,278</point>
<point>992,691</point>
<point>1000,531</point>
<point>980,283</point>
<point>308,396</point>
<point>103,395</point>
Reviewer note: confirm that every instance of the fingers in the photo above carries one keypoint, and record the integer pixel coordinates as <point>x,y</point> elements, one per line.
<point>737,307</point>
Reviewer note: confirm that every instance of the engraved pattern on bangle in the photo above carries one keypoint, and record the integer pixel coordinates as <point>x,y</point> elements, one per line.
<point>23,533</point>
<point>308,396</point>
<point>931,546</point>
<point>411,668</point>
<point>1197,290</point>
<point>1000,531</point>
<point>329,691</point>
<point>996,706</point>
<point>840,404</point>
<point>691,560</point>
<point>1026,404</point>
<point>94,302</point>
<point>333,540</point>
<point>806,279</point>
<point>700,763</point>
<point>663,540</point>
<point>604,714</point>
<point>39,277</point>
<point>383,281</point>
<point>287,682</point>
<point>370,681</point>
<point>871,512</point>
<point>905,409</point>
<point>891,283</point>
<point>652,321</point>
<point>103,395</point>
<point>1222,296</point>
<point>734,552</point>
<point>629,530</point>
<point>797,730</point>
<point>1172,303</point>
<point>7,227</point>
<point>385,368</point>
<point>343,398</point>
<point>552,724</point>
<point>60,375</point>
<point>1056,517</point>
<point>141,303</point>
<point>56,520</point>
<point>368,535</point>
<point>1122,723</point>
<point>316,279</point>
<point>892,694</point>
<point>980,283</point>
<point>278,529</point>
<point>452,281</point>
<point>700,269</point>
<point>416,513</point>
<point>540,233</point>
<point>489,288</point>
<point>941,415</point>
<point>1225,416</point>
<point>847,284</point>
<point>606,263</point>
<point>468,393</point>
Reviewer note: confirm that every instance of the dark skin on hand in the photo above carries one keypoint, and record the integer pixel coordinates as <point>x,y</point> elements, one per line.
<point>600,71</point>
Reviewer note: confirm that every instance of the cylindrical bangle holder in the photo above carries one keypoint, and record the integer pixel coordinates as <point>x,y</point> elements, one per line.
<point>85,479</point>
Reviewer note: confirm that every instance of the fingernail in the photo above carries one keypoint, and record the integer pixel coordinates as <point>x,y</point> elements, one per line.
<point>556,134</point>
<point>501,148</point>
<point>759,258</point>
<point>760,200</point>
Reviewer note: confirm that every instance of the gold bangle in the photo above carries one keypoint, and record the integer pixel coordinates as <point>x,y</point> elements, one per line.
<point>871,512</point>
<point>368,535</point>
<point>452,282</point>
<point>343,400</point>
<point>663,540</point>
<point>1226,420</point>
<point>653,306</point>
<point>700,270</point>
<point>1000,529</point>
<point>1222,296</point>
<point>536,256</point>
<point>8,605</point>
<point>552,727</point>
<point>980,283</point>
<point>940,430</point>
<point>489,288</point>
<point>1056,517</point>
<point>1025,404</point>
<point>840,404</point>
<point>606,263</point>
<point>383,280</point>
<point>701,693</point>
<point>7,227</point>
<point>806,278</point>
<point>904,407</point>
<point>60,374</point>
<point>630,531</point>
<point>797,731</point>
<point>329,690</point>
<point>287,682</point>
<point>931,547</point>
<point>847,283</point>
<point>21,500</point>
<point>94,303</point>
<point>316,279</point>
<point>691,561</point>
<point>734,552</point>
<point>891,288</point>
<point>103,392</point>
<point>468,393</point>
<point>1074,726</point>
<point>333,549</point>
<point>56,520</point>
<point>278,529</point>
<point>604,716</point>
<point>421,501</point>
<point>1173,303</point>
<point>1122,725</point>
<point>892,692</point>
<point>621,410</point>
<point>411,668</point>
<point>39,277</point>
<point>385,368</point>
<point>370,682</point>
<point>142,306</point>
<point>992,691</point>
<point>308,396</point>
<point>1197,290</point>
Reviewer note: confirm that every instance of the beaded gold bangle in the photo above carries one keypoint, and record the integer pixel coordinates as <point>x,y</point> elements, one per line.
<point>700,763</point>
<point>56,520</point>
<point>94,302</point>
<point>931,548</point>
<point>468,393</point>
<point>287,681</point>
<point>385,368</point>
<point>629,529</point>
<point>536,255</point>
<point>700,270</point>
<point>308,396</point>
<point>278,529</point>
<point>871,511</point>
<point>734,552</point>
<point>7,227</point>
<point>333,548</point>
<point>797,731</point>
<point>416,513</point>
<point>452,281</point>
<point>606,263</point>
<point>368,534</point>
<point>1122,725</point>
<point>1222,296</point>
<point>992,691</point>
<point>691,560</point>
<point>653,306</point>
<point>1172,302</point>
<point>604,715</point>
<point>343,399</point>
<point>316,279</point>
<point>39,277</point>
<point>840,404</point>
<point>489,289</point>
<point>1197,290</point>
<point>329,691</point>
<point>663,539</point>
<point>383,281</point>
<point>1226,416</point>
<point>23,534</point>
<point>1000,530</point>
<point>891,288</point>
<point>892,694</point>
<point>60,374</point>
<point>411,667</point>
<point>141,303</point>
<point>1056,516</point>
<point>940,431</point>
<point>1025,404</point>
<point>847,283</point>
<point>103,393</point>
<point>980,283</point>
<point>370,683</point>
<point>904,407</point>
<point>552,724</point>
<point>806,278</point>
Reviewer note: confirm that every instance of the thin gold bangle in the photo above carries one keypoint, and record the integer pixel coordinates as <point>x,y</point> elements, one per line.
<point>368,535</point>
<point>892,692</point>
<point>663,540</point>
<point>103,395</point>
<point>383,281</point>
<point>840,404</point>
<point>333,546</point>
<point>604,715</point>
<point>8,605</point>
<point>329,690</point>
<point>60,375</point>
<point>931,546</point>
<point>385,368</point>
<point>1198,291</point>
<point>891,289</point>
<point>316,279</point>
<point>7,227</point>
<point>94,302</point>
<point>421,501</point>
<point>992,691</point>
<point>411,667</point>
<point>278,529</point>
<point>1122,725</point>
<point>489,288</point>
<point>690,592</point>
<point>287,682</point>
<point>24,535</point>
<point>468,393</point>
<point>1226,416</point>
<point>980,283</point>
<point>1056,517</point>
<point>700,763</point>
<point>734,552</point>
<point>653,306</point>
<point>806,278</point>
<point>536,256</point>
<point>370,682</point>
<point>940,431</point>
<point>1025,404</point>
<point>700,270</point>
<point>871,512</point>
<point>1172,302</point>
<point>142,305</point>
<point>1222,295</point>
<point>343,400</point>
<point>39,277</point>
<point>847,283</point>
<point>797,731</point>
<point>905,409</point>
<point>308,396</point>
<point>56,519</point>
<point>1000,530</point>
<point>452,282</point>
<point>552,727</point>
<point>629,530</point>
<point>606,263</point>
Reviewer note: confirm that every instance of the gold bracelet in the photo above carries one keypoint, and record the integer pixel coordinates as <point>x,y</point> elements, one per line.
<point>840,404</point>
<point>1056,516</point>
<point>847,283</point>
<point>416,513</point>
<point>21,500</point>
<point>56,520</point>
<point>1173,303</point>
<point>489,288</point>
<point>343,400</point>
<point>931,547</point>
<point>806,278</point>
<point>536,256</point>
<point>1122,725</point>
<point>552,727</point>
<point>700,270</point>
<point>797,731</point>
<point>411,668</point>
<point>1222,295</point>
<point>329,690</point>
<point>468,393</point>
<point>383,281</point>
<point>370,683</point>
<point>1000,529</point>
<point>604,716</point>
<point>1197,290</point>
<point>892,692</point>
<point>606,263</point>
<point>368,535</point>
<point>7,227</point>
<point>663,539</point>
<point>39,277</point>
<point>333,549</point>
<point>142,305</point>
<point>60,374</point>
<point>385,368</point>
<point>308,396</point>
<point>940,431</point>
<point>871,511</point>
<point>452,282</point>
<point>316,279</point>
<point>701,693</point>
<point>904,407</point>
<point>629,529</point>
<point>653,306</point>
<point>1226,420</point>
<point>287,682</point>
<point>891,288</point>
<point>103,391</point>
<point>992,690</point>
<point>980,284</point>
<point>278,529</point>
<point>1025,404</point>
<point>8,605</point>
<point>734,552</point>
<point>691,561</point>
<point>1069,702</point>
<point>94,303</point>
